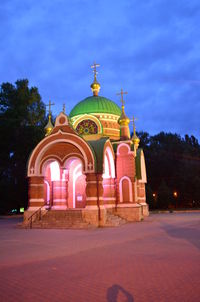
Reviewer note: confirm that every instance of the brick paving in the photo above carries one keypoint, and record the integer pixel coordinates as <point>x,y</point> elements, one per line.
<point>155,260</point>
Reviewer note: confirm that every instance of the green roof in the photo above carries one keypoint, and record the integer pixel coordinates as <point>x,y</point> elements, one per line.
<point>98,148</point>
<point>95,104</point>
<point>138,164</point>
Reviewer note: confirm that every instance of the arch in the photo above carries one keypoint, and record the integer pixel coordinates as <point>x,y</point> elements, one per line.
<point>143,168</point>
<point>76,182</point>
<point>109,164</point>
<point>129,187</point>
<point>47,160</point>
<point>125,146</point>
<point>42,147</point>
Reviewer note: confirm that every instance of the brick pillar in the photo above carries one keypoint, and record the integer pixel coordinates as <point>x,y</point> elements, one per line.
<point>94,189</point>
<point>109,193</point>
<point>36,191</point>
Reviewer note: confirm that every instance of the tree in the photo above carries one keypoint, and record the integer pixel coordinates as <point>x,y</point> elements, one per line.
<point>150,198</point>
<point>176,160</point>
<point>165,197</point>
<point>22,120</point>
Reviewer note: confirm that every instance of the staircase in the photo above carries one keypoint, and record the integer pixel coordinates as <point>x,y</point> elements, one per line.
<point>61,219</point>
<point>114,220</point>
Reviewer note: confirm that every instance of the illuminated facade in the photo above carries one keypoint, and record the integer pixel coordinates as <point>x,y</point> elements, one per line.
<point>88,161</point>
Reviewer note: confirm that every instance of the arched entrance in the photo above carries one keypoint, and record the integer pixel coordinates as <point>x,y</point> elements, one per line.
<point>55,186</point>
<point>109,177</point>
<point>76,183</point>
<point>64,187</point>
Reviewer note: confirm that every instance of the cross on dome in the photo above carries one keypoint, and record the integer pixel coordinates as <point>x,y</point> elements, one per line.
<point>94,67</point>
<point>64,108</point>
<point>133,121</point>
<point>95,86</point>
<point>49,105</point>
<point>122,93</point>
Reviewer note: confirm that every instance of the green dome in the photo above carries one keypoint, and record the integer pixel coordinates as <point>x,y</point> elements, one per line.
<point>95,104</point>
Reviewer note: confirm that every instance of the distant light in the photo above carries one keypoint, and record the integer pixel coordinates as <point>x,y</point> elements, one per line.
<point>14,211</point>
<point>175,194</point>
<point>11,154</point>
<point>154,194</point>
<point>21,210</point>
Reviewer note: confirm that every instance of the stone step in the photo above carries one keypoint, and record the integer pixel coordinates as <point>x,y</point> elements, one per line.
<point>41,225</point>
<point>63,219</point>
<point>114,220</point>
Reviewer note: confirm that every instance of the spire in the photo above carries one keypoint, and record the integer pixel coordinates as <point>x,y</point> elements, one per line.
<point>63,108</point>
<point>135,138</point>
<point>48,128</point>
<point>124,120</point>
<point>95,86</point>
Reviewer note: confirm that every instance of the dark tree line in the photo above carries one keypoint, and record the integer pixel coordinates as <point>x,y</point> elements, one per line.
<point>173,170</point>
<point>173,162</point>
<point>22,120</point>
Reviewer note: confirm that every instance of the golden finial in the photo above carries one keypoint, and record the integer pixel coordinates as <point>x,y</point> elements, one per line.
<point>64,108</point>
<point>95,86</point>
<point>135,138</point>
<point>49,125</point>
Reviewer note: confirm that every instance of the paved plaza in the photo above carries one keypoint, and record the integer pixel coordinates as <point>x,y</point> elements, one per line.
<point>154,260</point>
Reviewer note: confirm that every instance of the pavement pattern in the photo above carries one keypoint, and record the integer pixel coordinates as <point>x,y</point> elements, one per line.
<point>154,260</point>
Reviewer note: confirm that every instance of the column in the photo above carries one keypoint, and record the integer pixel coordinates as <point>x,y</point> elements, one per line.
<point>36,192</point>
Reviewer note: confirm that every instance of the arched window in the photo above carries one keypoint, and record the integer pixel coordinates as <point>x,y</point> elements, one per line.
<point>125,189</point>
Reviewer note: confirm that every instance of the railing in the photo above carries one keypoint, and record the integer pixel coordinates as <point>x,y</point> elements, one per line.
<point>37,212</point>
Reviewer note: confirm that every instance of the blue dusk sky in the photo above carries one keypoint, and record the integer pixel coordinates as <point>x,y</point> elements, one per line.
<point>150,48</point>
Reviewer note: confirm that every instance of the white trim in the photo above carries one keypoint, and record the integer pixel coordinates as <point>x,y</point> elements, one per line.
<point>60,207</point>
<point>60,200</point>
<point>94,181</point>
<point>36,199</point>
<point>109,198</point>
<point>100,114</point>
<point>123,145</point>
<point>66,122</point>
<point>130,188</point>
<point>89,207</point>
<point>105,128</point>
<point>94,198</point>
<point>128,205</point>
<point>143,168</point>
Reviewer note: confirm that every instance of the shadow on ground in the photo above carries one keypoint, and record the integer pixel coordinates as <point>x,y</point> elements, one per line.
<point>191,234</point>
<point>115,291</point>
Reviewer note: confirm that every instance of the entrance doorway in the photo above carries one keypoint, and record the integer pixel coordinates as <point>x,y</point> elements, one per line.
<point>64,187</point>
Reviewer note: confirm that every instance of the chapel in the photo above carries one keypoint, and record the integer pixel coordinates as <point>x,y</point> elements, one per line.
<point>88,163</point>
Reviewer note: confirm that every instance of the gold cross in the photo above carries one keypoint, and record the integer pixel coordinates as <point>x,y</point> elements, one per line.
<point>133,121</point>
<point>49,105</point>
<point>94,67</point>
<point>122,93</point>
<point>64,108</point>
